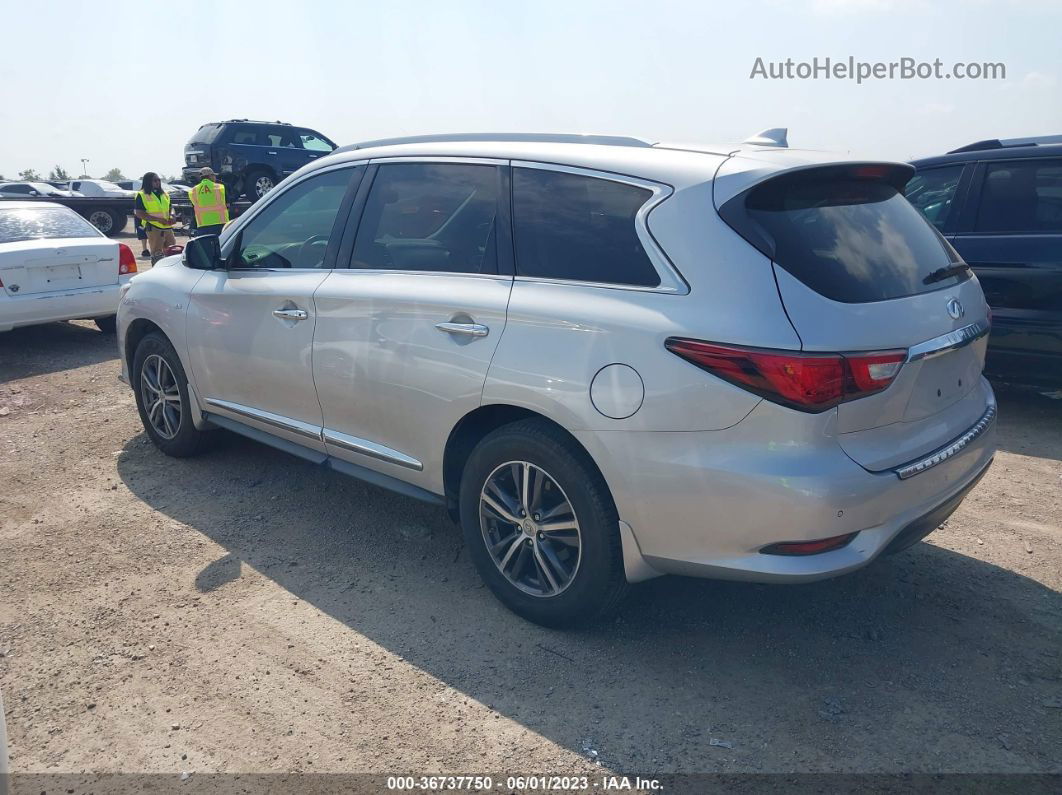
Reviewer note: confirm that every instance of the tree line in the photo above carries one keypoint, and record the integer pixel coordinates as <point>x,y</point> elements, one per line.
<point>60,174</point>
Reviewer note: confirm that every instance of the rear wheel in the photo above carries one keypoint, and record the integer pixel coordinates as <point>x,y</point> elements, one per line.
<point>108,325</point>
<point>161,390</point>
<point>110,222</point>
<point>541,526</point>
<point>257,183</point>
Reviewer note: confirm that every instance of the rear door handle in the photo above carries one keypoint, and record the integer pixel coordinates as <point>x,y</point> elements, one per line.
<point>464,329</point>
<point>291,314</point>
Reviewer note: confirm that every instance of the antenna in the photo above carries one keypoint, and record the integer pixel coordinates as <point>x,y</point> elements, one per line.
<point>776,136</point>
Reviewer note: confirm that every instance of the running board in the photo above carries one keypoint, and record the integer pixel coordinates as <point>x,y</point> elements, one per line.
<point>317,457</point>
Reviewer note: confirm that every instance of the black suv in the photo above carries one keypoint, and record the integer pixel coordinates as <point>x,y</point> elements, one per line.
<point>999,202</point>
<point>251,157</point>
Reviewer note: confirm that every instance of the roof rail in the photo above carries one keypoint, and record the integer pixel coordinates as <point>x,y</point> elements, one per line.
<point>251,121</point>
<point>1002,143</point>
<point>551,138</point>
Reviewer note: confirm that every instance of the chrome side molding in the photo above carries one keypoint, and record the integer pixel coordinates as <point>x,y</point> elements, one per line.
<point>949,342</point>
<point>371,449</point>
<point>268,418</point>
<point>345,441</point>
<point>952,449</point>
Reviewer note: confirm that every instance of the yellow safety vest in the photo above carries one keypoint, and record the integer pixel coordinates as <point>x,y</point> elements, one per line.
<point>154,205</point>
<point>208,200</point>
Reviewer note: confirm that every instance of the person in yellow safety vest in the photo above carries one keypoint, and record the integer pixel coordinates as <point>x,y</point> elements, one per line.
<point>152,207</point>
<point>208,201</point>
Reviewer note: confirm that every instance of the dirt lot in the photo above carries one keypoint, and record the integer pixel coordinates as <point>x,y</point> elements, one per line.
<point>247,611</point>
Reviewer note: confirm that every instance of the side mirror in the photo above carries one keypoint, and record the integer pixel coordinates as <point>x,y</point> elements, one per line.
<point>203,253</point>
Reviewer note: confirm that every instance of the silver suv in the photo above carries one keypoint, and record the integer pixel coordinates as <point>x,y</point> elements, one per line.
<point>608,359</point>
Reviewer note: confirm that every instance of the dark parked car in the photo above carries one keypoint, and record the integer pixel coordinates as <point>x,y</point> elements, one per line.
<point>999,202</point>
<point>251,157</point>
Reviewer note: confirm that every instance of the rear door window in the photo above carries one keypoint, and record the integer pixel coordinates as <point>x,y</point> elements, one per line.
<point>282,138</point>
<point>932,192</point>
<point>436,217</point>
<point>851,240</point>
<point>579,228</point>
<point>33,223</point>
<point>1022,196</point>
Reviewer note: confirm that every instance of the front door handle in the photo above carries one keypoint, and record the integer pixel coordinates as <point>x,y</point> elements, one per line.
<point>464,329</point>
<point>291,314</point>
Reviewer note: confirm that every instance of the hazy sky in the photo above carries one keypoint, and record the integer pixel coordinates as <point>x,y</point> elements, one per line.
<point>126,83</point>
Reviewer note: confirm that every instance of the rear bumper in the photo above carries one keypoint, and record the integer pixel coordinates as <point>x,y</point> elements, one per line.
<point>705,504</point>
<point>85,302</point>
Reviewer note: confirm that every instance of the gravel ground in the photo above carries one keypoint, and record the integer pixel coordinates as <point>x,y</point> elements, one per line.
<point>247,611</point>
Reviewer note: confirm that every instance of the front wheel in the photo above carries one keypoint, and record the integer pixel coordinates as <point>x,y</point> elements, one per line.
<point>541,526</point>
<point>162,399</point>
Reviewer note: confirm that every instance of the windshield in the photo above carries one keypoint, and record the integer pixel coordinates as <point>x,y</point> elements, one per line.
<point>851,240</point>
<point>33,223</point>
<point>108,187</point>
<point>45,190</point>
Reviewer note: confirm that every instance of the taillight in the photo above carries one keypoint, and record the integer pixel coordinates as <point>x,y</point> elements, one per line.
<point>126,260</point>
<point>872,372</point>
<point>810,382</point>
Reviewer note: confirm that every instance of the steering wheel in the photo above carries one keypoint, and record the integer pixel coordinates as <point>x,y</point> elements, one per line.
<point>304,251</point>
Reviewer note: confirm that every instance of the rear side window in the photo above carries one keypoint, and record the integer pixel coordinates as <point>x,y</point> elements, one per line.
<point>849,239</point>
<point>932,192</point>
<point>568,226</point>
<point>33,223</point>
<point>1022,196</point>
<point>246,135</point>
<point>430,217</point>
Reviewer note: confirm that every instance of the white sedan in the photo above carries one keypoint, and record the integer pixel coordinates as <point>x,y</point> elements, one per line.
<point>55,265</point>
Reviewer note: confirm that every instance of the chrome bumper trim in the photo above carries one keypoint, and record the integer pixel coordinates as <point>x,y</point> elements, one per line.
<point>950,450</point>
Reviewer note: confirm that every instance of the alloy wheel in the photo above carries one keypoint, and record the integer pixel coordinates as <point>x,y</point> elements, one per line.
<point>530,528</point>
<point>161,396</point>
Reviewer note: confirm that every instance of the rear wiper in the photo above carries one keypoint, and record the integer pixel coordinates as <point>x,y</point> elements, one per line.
<point>940,274</point>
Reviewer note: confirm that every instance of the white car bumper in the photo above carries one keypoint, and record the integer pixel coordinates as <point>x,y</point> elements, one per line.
<point>85,302</point>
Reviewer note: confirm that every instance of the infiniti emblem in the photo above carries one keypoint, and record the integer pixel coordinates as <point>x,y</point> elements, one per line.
<point>955,309</point>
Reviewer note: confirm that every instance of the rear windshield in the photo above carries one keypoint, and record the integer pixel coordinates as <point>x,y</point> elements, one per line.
<point>205,134</point>
<point>32,223</point>
<point>851,240</point>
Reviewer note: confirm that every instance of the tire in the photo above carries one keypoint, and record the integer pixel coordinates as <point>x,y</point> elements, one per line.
<point>108,325</point>
<point>109,222</point>
<point>257,182</point>
<point>185,440</point>
<point>119,219</point>
<point>585,584</point>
